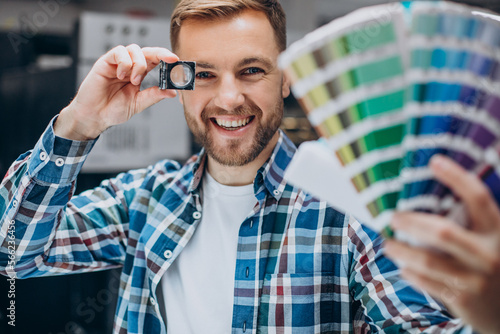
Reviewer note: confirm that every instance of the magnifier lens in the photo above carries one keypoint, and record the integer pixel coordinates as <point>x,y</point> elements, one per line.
<point>181,75</point>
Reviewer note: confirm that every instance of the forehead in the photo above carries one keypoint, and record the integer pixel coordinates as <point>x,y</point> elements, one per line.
<point>246,34</point>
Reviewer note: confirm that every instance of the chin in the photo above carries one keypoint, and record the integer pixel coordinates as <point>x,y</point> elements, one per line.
<point>233,154</point>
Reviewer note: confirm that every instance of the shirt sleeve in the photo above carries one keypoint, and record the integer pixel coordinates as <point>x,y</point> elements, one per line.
<point>44,229</point>
<point>386,302</point>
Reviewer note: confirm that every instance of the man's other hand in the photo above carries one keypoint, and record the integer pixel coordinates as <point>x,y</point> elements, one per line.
<point>460,266</point>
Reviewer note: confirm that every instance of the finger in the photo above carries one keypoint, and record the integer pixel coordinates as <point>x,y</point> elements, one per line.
<point>139,64</point>
<point>429,264</point>
<point>446,292</point>
<point>482,209</point>
<point>154,55</point>
<point>446,236</point>
<point>152,95</point>
<point>120,57</point>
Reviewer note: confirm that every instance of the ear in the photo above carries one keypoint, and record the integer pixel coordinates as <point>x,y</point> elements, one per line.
<point>285,86</point>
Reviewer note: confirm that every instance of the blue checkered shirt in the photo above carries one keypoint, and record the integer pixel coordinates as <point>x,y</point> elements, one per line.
<point>301,266</point>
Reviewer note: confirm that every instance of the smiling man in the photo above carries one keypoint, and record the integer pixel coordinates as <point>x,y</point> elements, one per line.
<point>237,107</point>
<point>222,244</point>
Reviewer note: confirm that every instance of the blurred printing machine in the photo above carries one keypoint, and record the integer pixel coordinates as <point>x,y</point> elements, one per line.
<point>42,77</point>
<point>157,133</point>
<point>30,95</point>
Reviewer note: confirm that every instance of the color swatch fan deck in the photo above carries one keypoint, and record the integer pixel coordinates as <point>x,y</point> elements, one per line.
<point>387,87</point>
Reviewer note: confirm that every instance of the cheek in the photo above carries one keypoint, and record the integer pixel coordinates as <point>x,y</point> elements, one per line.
<point>194,104</point>
<point>270,102</point>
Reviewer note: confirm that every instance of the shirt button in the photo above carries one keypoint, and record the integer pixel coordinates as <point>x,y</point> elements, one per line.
<point>276,192</point>
<point>59,162</point>
<point>43,156</point>
<point>153,301</point>
<point>14,203</point>
<point>168,254</point>
<point>196,215</point>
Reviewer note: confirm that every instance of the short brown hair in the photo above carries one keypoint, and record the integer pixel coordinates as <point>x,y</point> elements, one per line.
<point>217,9</point>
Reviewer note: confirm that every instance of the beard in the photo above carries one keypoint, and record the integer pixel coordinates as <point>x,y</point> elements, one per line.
<point>234,153</point>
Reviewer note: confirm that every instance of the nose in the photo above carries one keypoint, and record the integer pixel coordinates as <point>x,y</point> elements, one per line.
<point>229,95</point>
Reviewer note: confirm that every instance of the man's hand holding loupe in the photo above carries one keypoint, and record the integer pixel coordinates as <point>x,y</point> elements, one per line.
<point>111,94</point>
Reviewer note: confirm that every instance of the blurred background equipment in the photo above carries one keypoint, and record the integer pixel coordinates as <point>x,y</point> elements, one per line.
<point>156,133</point>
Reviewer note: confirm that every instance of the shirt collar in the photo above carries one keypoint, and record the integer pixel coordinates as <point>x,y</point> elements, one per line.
<point>199,162</point>
<point>269,176</point>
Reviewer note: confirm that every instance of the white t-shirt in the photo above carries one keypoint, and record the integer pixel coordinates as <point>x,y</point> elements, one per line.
<point>198,288</point>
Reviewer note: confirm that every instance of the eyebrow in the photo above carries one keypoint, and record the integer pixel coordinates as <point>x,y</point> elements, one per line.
<point>205,65</point>
<point>247,61</point>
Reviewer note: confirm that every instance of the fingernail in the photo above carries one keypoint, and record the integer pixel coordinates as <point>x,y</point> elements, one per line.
<point>138,79</point>
<point>440,163</point>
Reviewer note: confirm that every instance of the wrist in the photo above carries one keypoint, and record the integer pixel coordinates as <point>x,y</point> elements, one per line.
<point>68,127</point>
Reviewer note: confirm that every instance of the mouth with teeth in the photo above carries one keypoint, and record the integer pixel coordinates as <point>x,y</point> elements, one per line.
<point>232,125</point>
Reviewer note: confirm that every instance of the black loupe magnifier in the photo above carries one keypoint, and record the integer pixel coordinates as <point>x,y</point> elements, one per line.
<point>179,75</point>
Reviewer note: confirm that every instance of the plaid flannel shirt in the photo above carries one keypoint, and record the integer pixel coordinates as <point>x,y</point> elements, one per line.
<point>301,266</point>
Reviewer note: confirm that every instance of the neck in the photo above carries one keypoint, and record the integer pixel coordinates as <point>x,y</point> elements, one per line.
<point>240,175</point>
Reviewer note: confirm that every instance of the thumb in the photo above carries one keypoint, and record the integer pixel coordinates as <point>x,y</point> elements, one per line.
<point>153,95</point>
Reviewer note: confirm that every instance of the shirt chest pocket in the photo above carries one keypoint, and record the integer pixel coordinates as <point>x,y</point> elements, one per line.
<point>308,303</point>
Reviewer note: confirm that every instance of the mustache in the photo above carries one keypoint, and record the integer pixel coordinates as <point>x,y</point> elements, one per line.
<point>244,110</point>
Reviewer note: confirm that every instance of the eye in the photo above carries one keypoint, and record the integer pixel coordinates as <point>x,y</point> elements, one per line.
<point>253,70</point>
<point>204,75</point>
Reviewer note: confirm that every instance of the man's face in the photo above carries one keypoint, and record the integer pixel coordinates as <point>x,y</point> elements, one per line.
<point>237,104</point>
